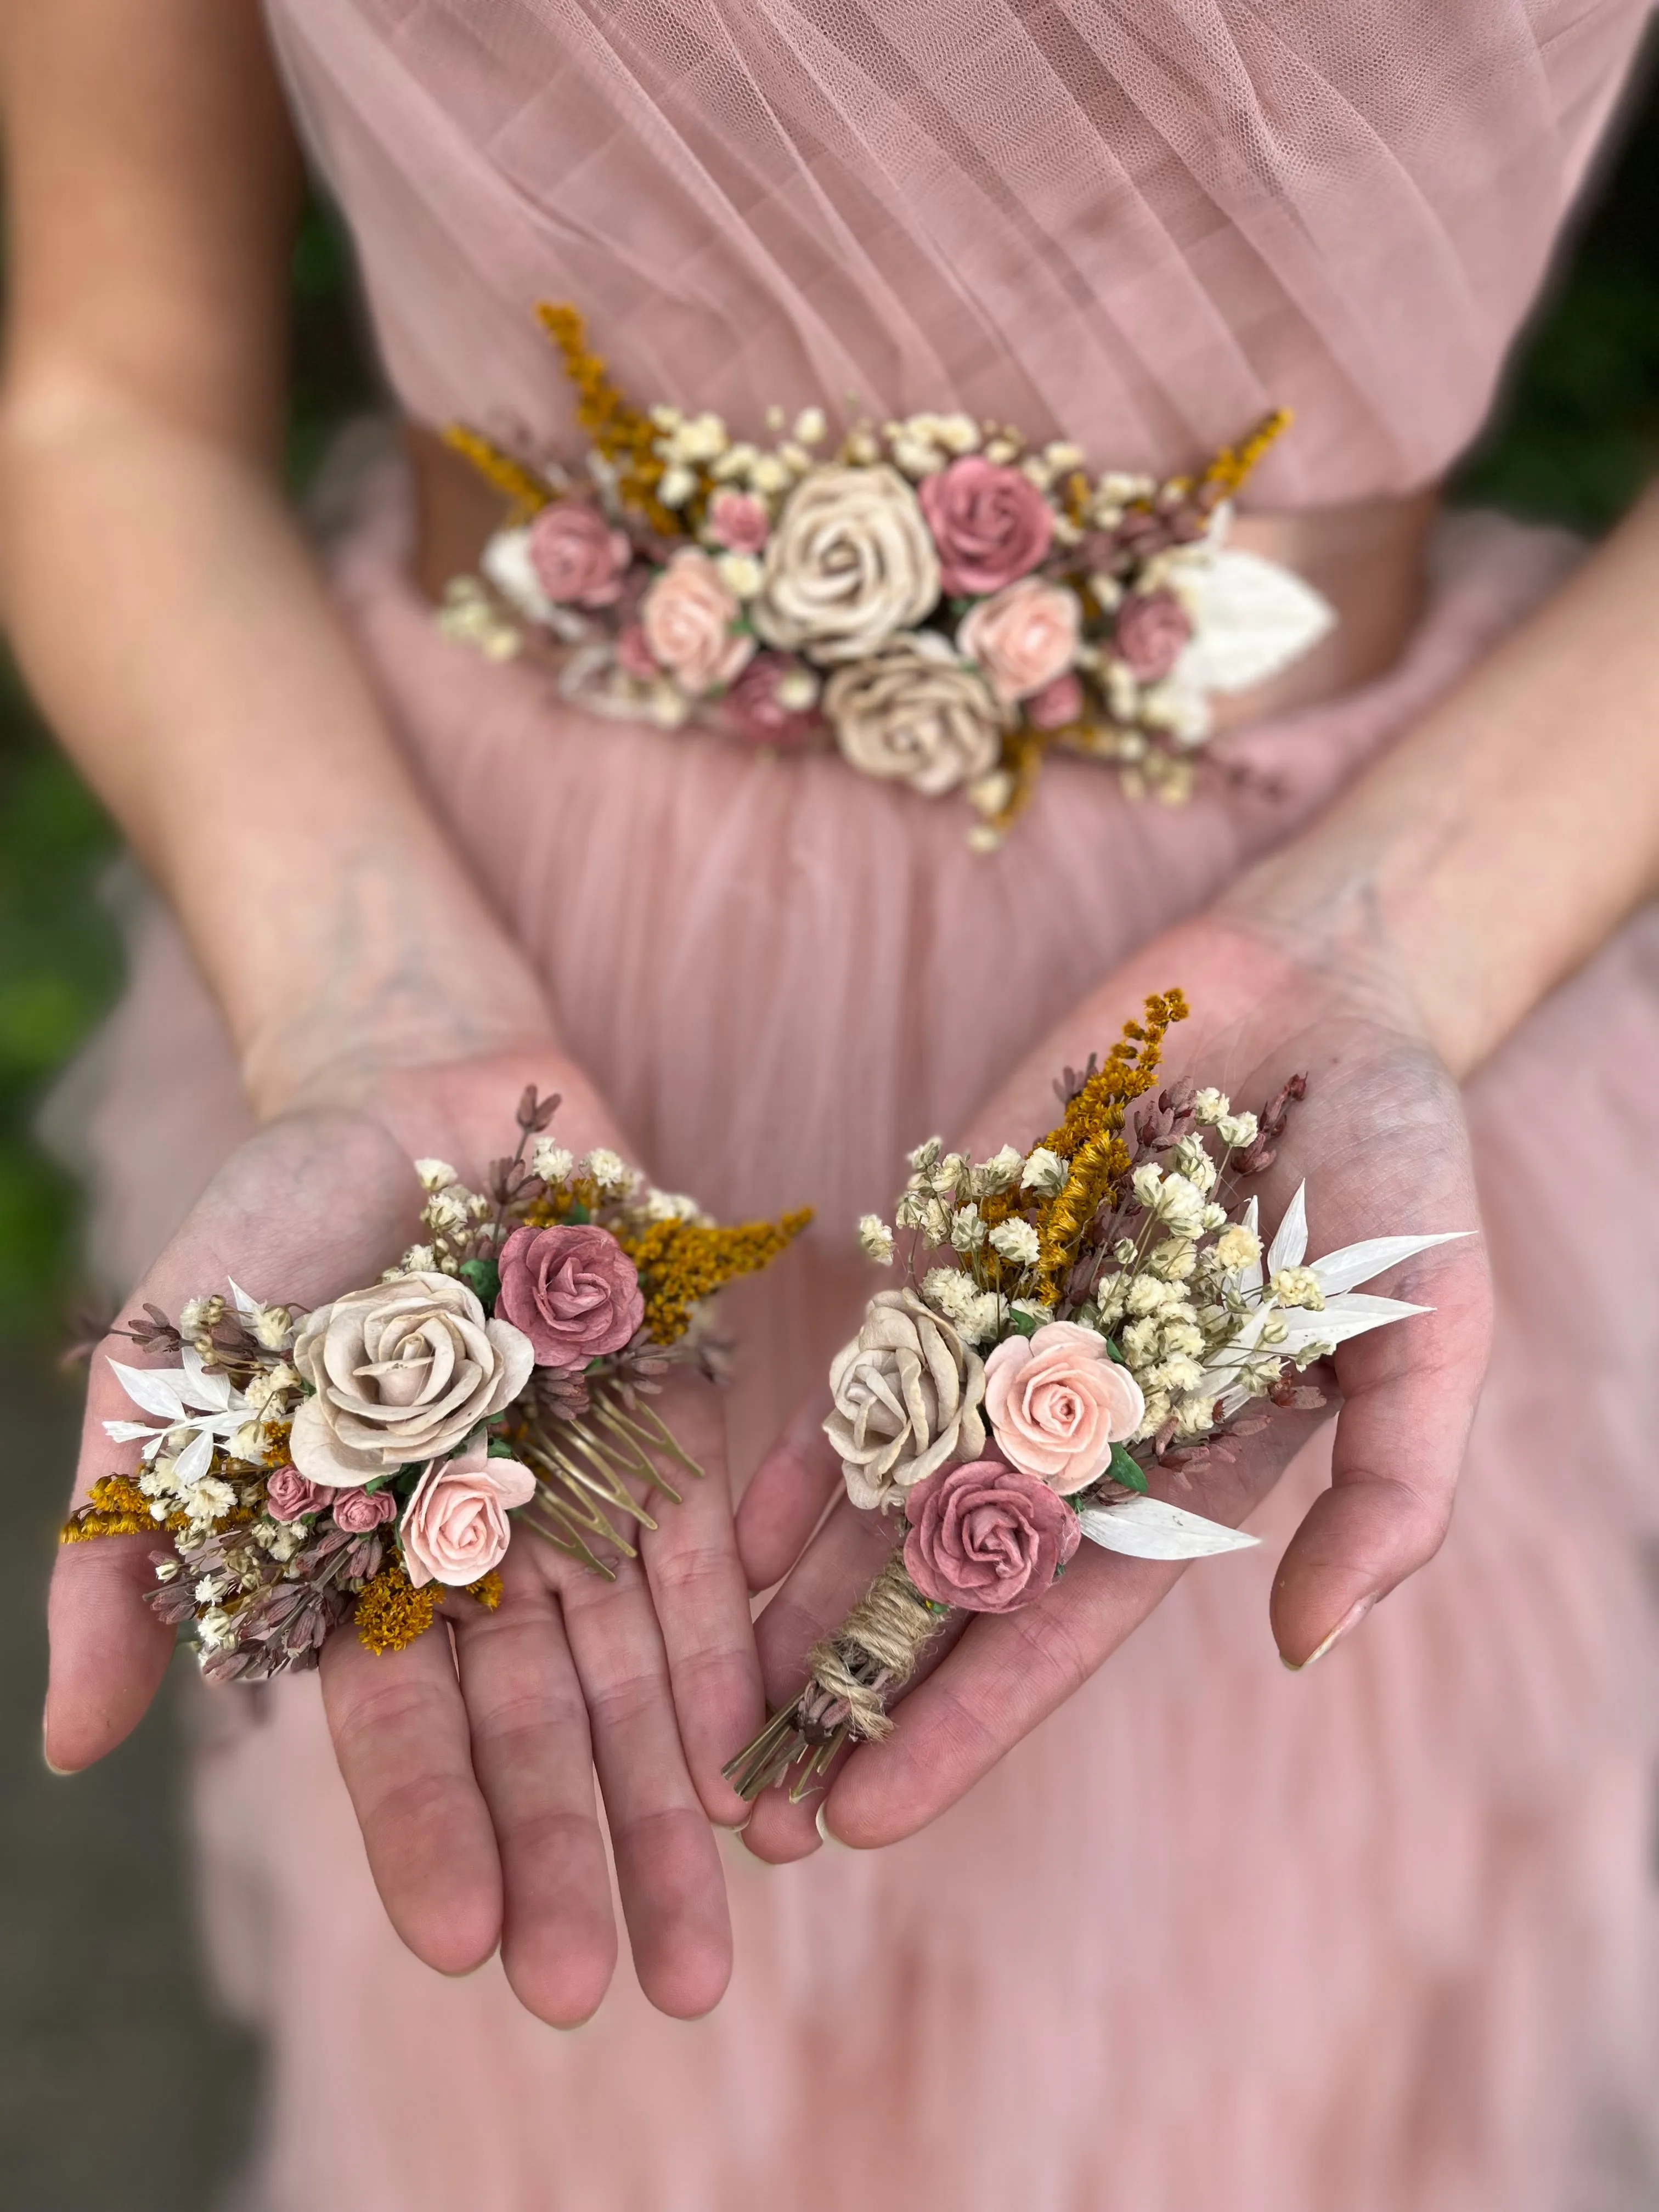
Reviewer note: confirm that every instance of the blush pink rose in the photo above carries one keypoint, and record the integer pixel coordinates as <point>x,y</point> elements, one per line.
<point>759,715</point>
<point>357,1512</point>
<point>1056,705</point>
<point>454,1527</point>
<point>687,617</point>
<point>1057,1403</point>
<point>986,1537</point>
<point>290,1494</point>
<point>1151,629</point>
<point>572,1290</point>
<point>990,524</point>
<point>579,559</point>
<point>739,521</point>
<point>1023,639</point>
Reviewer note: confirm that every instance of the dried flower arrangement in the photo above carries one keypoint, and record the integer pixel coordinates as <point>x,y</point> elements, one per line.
<point>938,598</point>
<point>1075,1318</point>
<point>352,1462</point>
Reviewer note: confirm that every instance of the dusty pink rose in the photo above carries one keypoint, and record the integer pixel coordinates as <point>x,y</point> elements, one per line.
<point>1057,1403</point>
<point>986,1537</point>
<point>739,521</point>
<point>1056,705</point>
<point>758,714</point>
<point>1151,629</point>
<point>357,1512</point>
<point>572,1290</point>
<point>687,617</point>
<point>289,1494</point>
<point>991,524</point>
<point>1023,638</point>
<point>579,559</point>
<point>454,1526</point>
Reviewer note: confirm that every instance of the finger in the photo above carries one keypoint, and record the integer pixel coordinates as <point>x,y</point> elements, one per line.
<point>534,1763</point>
<point>787,1497</point>
<point>702,1599</point>
<point>815,1597</point>
<point>1010,1671</point>
<point>109,1652</point>
<point>401,1738</point>
<point>668,1867</point>
<point>1408,1396</point>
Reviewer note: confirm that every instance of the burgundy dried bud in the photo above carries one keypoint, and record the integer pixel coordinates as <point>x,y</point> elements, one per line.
<point>527,1105</point>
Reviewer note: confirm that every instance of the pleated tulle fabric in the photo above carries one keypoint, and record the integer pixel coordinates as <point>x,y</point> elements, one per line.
<point>1139,223</point>
<point>1214,1939</point>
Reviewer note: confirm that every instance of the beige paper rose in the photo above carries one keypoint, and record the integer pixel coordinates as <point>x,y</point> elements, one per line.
<point>849,563</point>
<point>906,1393</point>
<point>914,714</point>
<point>1024,638</point>
<point>401,1371</point>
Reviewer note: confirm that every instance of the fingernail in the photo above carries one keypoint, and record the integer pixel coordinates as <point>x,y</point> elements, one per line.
<point>824,1836</point>
<point>1350,1619</point>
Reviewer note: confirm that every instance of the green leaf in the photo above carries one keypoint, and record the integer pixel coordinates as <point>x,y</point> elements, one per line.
<point>499,1447</point>
<point>484,1277</point>
<point>578,1213</point>
<point>1126,1471</point>
<point>1022,1324</point>
<point>1115,1353</point>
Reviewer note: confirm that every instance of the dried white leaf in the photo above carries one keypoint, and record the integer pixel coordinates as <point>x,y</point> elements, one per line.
<point>1149,1529</point>
<point>1252,618</point>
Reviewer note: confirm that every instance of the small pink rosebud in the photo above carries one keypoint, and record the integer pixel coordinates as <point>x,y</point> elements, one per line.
<point>635,657</point>
<point>739,521</point>
<point>291,1496</point>
<point>1056,704</point>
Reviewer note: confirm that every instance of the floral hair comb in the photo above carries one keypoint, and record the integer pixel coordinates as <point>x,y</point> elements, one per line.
<point>938,598</point>
<point>353,1462</point>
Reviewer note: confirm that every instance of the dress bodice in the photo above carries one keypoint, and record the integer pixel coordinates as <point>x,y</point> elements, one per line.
<point>1136,222</point>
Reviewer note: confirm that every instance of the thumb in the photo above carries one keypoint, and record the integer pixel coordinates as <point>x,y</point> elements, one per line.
<point>109,1652</point>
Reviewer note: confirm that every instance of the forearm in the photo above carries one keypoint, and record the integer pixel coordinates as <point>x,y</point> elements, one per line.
<point>1490,853</point>
<point>172,622</point>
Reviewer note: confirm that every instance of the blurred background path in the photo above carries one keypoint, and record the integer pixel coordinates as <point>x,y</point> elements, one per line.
<point>121,2089</point>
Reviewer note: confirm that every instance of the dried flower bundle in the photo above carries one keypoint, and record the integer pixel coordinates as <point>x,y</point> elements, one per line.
<point>354,1461</point>
<point>1075,1318</point>
<point>938,598</point>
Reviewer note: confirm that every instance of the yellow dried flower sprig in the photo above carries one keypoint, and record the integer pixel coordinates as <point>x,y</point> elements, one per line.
<point>680,1263</point>
<point>1089,1138</point>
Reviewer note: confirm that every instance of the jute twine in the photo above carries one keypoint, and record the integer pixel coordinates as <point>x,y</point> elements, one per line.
<point>873,1653</point>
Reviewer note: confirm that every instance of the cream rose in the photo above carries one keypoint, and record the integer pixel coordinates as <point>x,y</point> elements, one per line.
<point>401,1372</point>
<point>454,1527</point>
<point>1058,1401</point>
<point>686,619</point>
<point>849,562</point>
<point>914,714</point>
<point>1023,638</point>
<point>907,1392</point>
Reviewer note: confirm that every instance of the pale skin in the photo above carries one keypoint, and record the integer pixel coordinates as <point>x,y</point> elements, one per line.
<point>172,622</point>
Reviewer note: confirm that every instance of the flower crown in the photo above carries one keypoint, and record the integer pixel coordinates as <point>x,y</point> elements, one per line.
<point>938,598</point>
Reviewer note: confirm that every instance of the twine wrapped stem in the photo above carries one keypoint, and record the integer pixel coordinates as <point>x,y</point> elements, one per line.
<point>851,1676</point>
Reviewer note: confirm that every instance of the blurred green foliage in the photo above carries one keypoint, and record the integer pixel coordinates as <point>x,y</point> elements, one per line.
<point>1576,433</point>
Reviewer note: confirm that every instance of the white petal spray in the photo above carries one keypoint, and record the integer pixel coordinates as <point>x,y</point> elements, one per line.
<point>1147,1528</point>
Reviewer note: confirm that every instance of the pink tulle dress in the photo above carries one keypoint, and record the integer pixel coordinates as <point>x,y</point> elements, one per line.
<point>1214,1939</point>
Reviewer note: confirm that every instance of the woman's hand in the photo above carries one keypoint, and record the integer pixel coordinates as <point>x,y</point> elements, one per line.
<point>1380,1141</point>
<point>472,1767</point>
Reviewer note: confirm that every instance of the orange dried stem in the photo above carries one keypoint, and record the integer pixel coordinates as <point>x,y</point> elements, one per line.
<point>527,491</point>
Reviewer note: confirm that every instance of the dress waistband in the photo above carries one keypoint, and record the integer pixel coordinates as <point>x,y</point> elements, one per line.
<point>1368,559</point>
